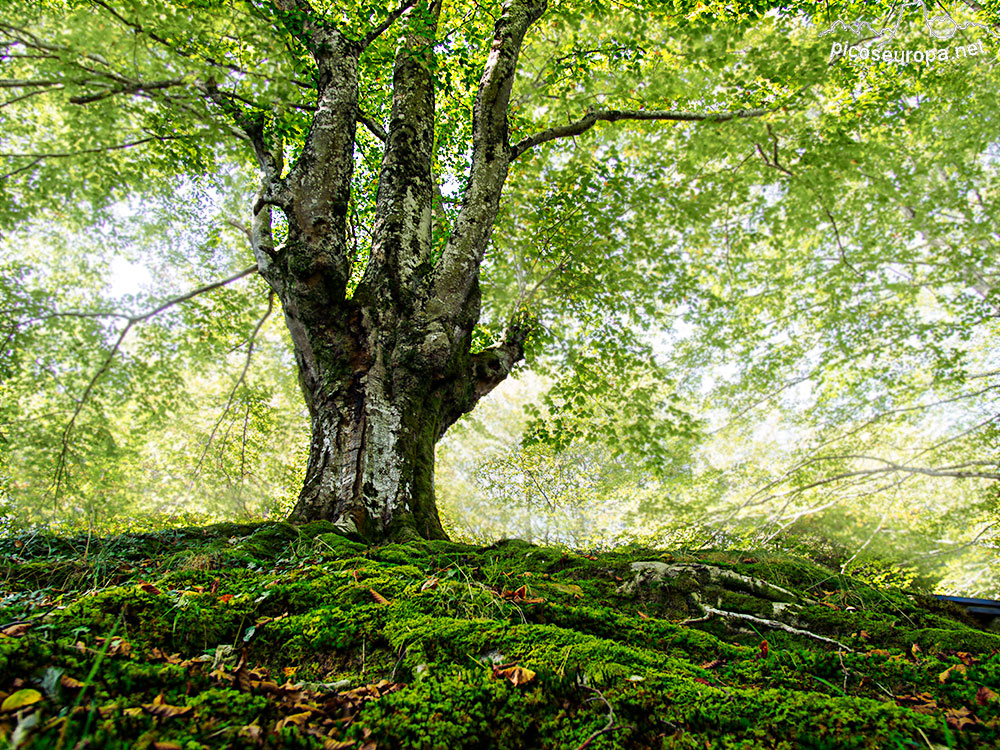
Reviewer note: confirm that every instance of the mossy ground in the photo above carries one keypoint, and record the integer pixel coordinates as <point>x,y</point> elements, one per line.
<point>276,636</point>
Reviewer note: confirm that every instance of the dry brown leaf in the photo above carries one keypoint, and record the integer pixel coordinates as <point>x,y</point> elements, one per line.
<point>643,615</point>
<point>16,630</point>
<point>984,695</point>
<point>166,746</point>
<point>960,718</point>
<point>959,668</point>
<point>430,583</point>
<point>966,658</point>
<point>68,682</point>
<point>378,597</point>
<point>149,588</point>
<point>226,598</point>
<point>293,720</point>
<point>164,710</point>
<point>517,675</point>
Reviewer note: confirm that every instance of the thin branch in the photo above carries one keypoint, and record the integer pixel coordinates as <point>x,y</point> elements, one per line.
<point>610,726</point>
<point>239,381</point>
<point>375,33</point>
<point>773,624</point>
<point>131,322</point>
<point>114,147</point>
<point>130,88</point>
<point>588,121</point>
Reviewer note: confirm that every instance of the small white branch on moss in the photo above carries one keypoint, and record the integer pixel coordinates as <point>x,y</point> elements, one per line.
<point>773,624</point>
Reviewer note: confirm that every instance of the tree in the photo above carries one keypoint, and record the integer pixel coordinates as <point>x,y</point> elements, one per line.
<point>374,239</point>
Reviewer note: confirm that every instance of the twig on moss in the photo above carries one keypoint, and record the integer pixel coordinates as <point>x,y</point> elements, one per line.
<point>609,727</point>
<point>775,624</point>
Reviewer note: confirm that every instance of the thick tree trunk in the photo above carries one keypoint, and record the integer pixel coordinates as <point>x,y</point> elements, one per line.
<point>371,456</point>
<point>387,370</point>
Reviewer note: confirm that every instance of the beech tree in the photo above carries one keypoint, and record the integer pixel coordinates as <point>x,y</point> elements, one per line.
<point>380,140</point>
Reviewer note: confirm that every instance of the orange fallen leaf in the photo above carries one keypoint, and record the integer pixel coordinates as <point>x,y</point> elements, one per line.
<point>16,630</point>
<point>226,598</point>
<point>378,597</point>
<point>959,668</point>
<point>166,746</point>
<point>163,710</point>
<point>149,588</point>
<point>764,648</point>
<point>68,682</point>
<point>517,675</point>
<point>984,695</point>
<point>642,615</point>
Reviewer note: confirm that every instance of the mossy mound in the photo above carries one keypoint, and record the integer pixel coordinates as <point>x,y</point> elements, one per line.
<point>272,636</point>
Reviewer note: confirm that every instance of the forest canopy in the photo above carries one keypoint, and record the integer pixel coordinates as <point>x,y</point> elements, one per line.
<point>743,276</point>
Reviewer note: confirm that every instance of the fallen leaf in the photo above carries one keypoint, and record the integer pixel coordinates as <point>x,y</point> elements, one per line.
<point>712,664</point>
<point>764,648</point>
<point>984,695</point>
<point>914,650</point>
<point>293,720</point>
<point>164,710</point>
<point>149,588</point>
<point>959,668</point>
<point>966,658</point>
<point>430,583</point>
<point>517,675</point>
<point>642,615</point>
<point>16,630</point>
<point>166,746</point>
<point>20,699</point>
<point>215,587</point>
<point>378,597</point>
<point>960,718</point>
<point>71,683</point>
<point>568,588</point>
<point>226,598</point>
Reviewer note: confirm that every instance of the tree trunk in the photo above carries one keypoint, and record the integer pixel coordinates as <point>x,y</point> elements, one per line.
<point>386,370</point>
<point>371,456</point>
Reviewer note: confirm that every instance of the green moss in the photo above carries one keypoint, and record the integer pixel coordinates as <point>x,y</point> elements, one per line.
<point>271,603</point>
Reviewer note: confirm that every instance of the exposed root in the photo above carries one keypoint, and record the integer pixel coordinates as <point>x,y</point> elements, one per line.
<point>774,624</point>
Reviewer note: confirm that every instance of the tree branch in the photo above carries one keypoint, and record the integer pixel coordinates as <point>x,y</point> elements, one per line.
<point>375,33</point>
<point>106,364</point>
<point>374,126</point>
<point>130,88</point>
<point>588,121</point>
<point>239,381</point>
<point>455,279</point>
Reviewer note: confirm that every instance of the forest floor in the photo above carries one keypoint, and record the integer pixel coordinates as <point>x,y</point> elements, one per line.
<point>271,636</point>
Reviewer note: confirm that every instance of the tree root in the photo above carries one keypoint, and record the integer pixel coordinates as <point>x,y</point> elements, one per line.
<point>774,624</point>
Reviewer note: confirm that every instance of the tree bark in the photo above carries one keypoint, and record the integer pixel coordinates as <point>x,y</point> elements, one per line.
<point>387,370</point>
